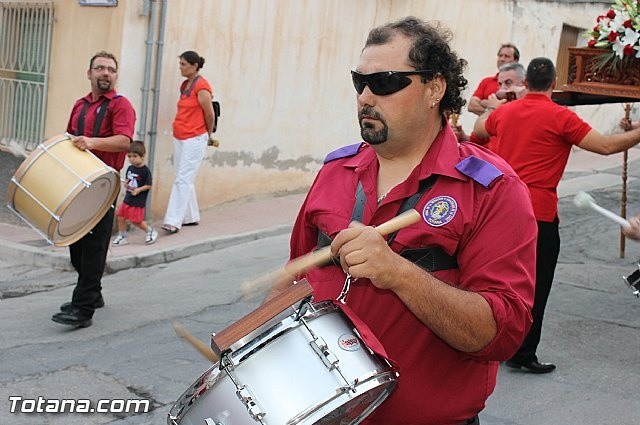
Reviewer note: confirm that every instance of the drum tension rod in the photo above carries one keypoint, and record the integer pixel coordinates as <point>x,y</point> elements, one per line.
<point>244,393</point>
<point>330,360</point>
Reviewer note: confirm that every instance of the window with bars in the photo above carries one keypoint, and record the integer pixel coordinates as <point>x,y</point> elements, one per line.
<point>25,44</point>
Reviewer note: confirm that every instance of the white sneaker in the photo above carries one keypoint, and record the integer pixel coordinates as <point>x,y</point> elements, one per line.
<point>120,240</point>
<point>152,235</point>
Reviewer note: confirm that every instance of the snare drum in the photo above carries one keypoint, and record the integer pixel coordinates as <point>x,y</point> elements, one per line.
<point>311,367</point>
<point>62,191</point>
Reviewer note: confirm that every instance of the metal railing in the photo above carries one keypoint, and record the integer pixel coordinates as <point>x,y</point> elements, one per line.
<point>25,45</point>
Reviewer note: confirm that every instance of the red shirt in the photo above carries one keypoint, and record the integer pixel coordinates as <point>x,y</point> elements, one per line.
<point>535,135</point>
<point>492,232</point>
<point>120,119</point>
<point>189,121</point>
<point>487,86</point>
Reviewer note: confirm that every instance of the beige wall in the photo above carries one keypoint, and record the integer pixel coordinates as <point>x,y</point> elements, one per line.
<point>280,69</point>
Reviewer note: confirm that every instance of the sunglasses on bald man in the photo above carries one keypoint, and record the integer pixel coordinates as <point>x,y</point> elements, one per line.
<point>386,82</point>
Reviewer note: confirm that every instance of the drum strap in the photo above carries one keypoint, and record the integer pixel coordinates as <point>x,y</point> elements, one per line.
<point>102,111</point>
<point>431,258</point>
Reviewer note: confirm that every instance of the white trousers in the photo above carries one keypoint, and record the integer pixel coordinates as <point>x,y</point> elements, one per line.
<point>183,203</point>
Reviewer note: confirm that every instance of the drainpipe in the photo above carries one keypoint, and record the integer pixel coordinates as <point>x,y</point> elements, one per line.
<point>156,91</point>
<point>149,9</point>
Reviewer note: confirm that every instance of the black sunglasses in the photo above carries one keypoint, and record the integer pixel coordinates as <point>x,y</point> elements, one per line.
<point>386,82</point>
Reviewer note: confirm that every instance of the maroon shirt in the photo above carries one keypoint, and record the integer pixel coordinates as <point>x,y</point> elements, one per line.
<point>120,119</point>
<point>487,222</point>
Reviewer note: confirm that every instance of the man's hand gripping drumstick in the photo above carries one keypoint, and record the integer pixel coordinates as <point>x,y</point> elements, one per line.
<point>288,273</point>
<point>284,276</point>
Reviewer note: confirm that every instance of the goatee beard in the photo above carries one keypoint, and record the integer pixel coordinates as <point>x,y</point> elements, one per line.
<point>367,130</point>
<point>104,86</point>
<point>373,137</point>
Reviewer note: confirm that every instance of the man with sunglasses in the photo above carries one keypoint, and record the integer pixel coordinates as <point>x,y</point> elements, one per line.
<point>447,298</point>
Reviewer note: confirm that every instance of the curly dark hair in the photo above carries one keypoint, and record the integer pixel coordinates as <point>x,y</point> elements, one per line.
<point>430,50</point>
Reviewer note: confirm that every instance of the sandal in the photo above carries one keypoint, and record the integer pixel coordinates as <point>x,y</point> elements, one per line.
<point>169,229</point>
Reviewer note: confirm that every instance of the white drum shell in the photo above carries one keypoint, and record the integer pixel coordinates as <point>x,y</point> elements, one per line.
<point>288,378</point>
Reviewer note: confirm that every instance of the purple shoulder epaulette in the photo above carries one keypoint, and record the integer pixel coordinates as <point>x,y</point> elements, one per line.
<point>479,170</point>
<point>343,152</point>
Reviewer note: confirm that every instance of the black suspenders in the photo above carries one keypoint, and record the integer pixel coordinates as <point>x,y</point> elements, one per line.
<point>102,111</point>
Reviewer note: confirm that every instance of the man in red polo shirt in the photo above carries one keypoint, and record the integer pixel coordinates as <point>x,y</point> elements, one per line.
<point>507,53</point>
<point>535,136</point>
<point>448,297</point>
<point>510,87</point>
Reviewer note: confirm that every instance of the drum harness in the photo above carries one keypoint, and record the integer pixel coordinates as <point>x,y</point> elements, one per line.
<point>430,259</point>
<point>102,111</point>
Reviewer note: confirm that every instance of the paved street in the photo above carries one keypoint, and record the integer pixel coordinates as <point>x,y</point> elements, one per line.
<point>131,351</point>
<point>591,331</point>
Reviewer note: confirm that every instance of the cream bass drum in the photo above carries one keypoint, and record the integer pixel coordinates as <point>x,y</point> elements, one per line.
<point>62,191</point>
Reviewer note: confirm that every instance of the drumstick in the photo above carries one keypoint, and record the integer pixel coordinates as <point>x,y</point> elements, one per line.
<point>322,255</point>
<point>584,200</point>
<point>195,342</point>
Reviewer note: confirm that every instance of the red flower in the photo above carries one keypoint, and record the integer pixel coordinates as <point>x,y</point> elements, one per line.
<point>628,24</point>
<point>613,36</point>
<point>591,43</point>
<point>611,14</point>
<point>628,50</point>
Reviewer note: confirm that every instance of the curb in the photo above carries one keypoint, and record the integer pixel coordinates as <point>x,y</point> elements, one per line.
<point>33,256</point>
<point>178,252</point>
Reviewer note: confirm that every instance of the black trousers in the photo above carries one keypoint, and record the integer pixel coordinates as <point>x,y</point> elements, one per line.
<point>89,258</point>
<point>547,251</point>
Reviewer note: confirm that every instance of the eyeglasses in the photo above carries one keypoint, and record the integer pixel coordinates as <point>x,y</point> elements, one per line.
<point>386,82</point>
<point>101,68</point>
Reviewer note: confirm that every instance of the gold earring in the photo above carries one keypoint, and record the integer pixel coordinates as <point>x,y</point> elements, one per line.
<point>435,102</point>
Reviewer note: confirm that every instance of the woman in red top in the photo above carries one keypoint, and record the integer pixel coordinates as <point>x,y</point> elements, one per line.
<point>191,129</point>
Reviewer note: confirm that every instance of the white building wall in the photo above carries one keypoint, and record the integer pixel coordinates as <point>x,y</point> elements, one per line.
<point>280,69</point>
